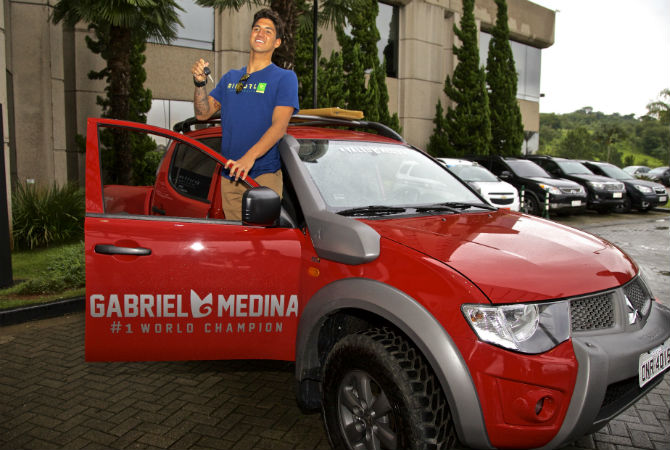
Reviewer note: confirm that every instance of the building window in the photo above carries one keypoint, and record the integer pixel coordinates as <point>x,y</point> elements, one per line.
<point>198,26</point>
<point>527,61</point>
<point>166,113</point>
<point>387,46</point>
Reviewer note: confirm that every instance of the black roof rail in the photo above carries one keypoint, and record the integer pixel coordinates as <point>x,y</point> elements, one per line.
<point>303,120</point>
<point>185,125</point>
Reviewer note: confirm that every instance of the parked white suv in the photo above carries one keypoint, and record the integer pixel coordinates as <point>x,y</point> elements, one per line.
<point>499,193</point>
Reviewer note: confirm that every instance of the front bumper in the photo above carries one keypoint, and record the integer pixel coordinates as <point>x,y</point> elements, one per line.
<point>567,203</point>
<point>551,399</point>
<point>646,201</point>
<point>607,378</point>
<point>606,198</point>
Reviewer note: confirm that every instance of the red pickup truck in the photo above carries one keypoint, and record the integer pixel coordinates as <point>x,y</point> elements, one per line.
<point>418,315</point>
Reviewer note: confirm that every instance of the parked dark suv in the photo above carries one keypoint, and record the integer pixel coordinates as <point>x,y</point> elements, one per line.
<point>640,194</point>
<point>604,194</point>
<point>535,184</point>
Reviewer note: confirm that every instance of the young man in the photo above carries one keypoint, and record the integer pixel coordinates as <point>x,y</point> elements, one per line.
<point>256,104</point>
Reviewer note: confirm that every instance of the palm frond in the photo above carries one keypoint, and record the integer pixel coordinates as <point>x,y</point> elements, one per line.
<point>229,4</point>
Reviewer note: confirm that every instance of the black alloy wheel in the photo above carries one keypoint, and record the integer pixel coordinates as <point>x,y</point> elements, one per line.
<point>379,393</point>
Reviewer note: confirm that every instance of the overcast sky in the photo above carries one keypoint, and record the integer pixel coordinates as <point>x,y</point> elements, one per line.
<point>612,55</point>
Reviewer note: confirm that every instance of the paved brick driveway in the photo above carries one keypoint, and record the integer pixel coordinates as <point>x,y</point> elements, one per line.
<point>50,398</point>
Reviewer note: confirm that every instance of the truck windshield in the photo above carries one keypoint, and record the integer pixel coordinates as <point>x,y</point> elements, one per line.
<point>352,174</point>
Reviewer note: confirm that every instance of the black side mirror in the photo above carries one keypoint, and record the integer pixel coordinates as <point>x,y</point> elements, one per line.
<point>506,175</point>
<point>260,206</point>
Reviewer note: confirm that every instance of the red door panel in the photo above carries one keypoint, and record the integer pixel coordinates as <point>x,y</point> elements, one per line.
<point>169,290</point>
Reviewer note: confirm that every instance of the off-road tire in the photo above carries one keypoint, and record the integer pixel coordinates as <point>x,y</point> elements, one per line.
<point>417,414</point>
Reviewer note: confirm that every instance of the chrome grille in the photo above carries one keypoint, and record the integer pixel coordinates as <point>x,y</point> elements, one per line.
<point>568,190</point>
<point>660,190</point>
<point>639,296</point>
<point>592,313</point>
<point>502,201</point>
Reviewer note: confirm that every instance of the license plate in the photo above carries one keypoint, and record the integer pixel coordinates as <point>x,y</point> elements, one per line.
<point>663,199</point>
<point>617,195</point>
<point>576,203</point>
<point>654,363</point>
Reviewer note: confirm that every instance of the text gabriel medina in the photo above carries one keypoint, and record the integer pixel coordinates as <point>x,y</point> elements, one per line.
<point>171,305</point>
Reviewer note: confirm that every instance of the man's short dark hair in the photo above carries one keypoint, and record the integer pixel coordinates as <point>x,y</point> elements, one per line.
<point>267,13</point>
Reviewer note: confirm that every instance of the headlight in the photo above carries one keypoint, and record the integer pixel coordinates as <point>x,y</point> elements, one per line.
<point>597,185</point>
<point>551,189</point>
<point>644,189</point>
<point>526,328</point>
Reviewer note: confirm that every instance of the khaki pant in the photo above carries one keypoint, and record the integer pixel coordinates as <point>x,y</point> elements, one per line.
<point>232,192</point>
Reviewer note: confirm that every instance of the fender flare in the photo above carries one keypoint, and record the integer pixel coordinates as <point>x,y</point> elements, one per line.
<point>417,323</point>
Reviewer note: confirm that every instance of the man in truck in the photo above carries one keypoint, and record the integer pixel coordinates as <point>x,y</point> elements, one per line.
<point>256,104</point>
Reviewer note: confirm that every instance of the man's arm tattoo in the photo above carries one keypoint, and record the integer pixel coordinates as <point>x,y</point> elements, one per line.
<point>200,102</point>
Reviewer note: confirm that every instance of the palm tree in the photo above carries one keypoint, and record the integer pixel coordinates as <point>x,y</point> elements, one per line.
<point>660,109</point>
<point>157,19</point>
<point>125,19</point>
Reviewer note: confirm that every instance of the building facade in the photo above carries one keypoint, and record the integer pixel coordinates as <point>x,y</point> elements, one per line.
<point>46,94</point>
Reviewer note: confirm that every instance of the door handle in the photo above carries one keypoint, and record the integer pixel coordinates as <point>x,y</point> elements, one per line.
<point>107,249</point>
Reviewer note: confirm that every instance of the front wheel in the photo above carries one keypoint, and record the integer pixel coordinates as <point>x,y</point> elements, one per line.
<point>626,206</point>
<point>379,393</point>
<point>532,205</point>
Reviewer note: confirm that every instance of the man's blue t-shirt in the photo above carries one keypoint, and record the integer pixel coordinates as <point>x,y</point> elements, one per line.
<point>246,116</point>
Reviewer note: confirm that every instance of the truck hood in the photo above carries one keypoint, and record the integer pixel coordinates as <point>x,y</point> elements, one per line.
<point>514,257</point>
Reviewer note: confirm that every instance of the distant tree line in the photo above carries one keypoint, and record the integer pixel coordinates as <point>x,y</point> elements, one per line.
<point>622,140</point>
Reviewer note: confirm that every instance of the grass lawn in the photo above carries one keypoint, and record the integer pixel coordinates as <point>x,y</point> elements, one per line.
<point>44,275</point>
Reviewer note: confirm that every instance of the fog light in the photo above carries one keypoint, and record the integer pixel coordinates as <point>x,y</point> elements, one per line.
<point>535,407</point>
<point>545,408</point>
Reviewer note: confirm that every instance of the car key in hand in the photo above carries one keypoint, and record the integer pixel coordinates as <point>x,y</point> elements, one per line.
<point>208,73</point>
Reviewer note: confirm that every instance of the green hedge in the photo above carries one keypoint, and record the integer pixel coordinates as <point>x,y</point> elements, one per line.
<point>47,216</point>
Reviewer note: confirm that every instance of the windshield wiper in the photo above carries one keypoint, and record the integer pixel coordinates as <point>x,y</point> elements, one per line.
<point>372,210</point>
<point>454,207</point>
<point>464,205</point>
<point>433,208</point>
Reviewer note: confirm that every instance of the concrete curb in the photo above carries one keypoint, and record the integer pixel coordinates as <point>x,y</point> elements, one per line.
<point>41,311</point>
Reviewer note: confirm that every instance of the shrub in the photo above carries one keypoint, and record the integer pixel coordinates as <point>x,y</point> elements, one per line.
<point>47,216</point>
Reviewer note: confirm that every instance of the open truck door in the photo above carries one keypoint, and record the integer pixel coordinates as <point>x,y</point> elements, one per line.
<point>167,277</point>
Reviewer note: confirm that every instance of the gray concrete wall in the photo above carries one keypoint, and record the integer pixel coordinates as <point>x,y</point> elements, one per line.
<point>35,66</point>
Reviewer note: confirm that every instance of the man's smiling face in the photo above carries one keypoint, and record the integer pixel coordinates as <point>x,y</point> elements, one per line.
<point>264,36</point>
